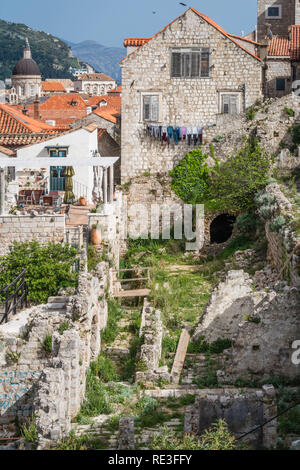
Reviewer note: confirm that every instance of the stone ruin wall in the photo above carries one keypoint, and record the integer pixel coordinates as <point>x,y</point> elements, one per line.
<point>51,388</point>
<point>242,411</point>
<point>151,332</point>
<point>281,245</point>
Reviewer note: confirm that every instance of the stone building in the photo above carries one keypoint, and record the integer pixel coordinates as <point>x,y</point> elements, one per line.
<point>277,16</point>
<point>186,76</point>
<point>26,77</point>
<point>94,84</point>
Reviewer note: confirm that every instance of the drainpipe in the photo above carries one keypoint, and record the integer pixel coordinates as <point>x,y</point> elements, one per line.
<point>2,191</point>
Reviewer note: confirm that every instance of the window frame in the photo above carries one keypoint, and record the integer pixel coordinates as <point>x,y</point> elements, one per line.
<point>279,17</point>
<point>188,52</point>
<point>230,93</point>
<point>150,93</point>
<point>283,80</point>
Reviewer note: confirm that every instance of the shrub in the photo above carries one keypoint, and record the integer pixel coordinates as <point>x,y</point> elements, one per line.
<point>190,177</point>
<point>48,268</point>
<point>29,431</point>
<point>114,315</point>
<point>147,405</point>
<point>289,111</point>
<point>217,347</point>
<point>250,114</point>
<point>277,224</point>
<point>96,399</point>
<point>266,204</point>
<point>47,344</point>
<point>64,326</point>
<point>105,369</point>
<point>235,183</point>
<point>217,437</point>
<point>246,223</point>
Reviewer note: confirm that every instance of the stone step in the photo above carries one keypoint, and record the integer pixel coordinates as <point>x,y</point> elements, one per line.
<point>56,306</point>
<point>58,299</point>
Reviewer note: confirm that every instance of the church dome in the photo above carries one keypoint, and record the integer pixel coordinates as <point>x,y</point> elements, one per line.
<point>26,67</point>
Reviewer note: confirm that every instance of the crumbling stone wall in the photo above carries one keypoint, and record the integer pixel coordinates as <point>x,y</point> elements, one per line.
<point>261,325</point>
<point>243,410</point>
<point>53,385</point>
<point>151,332</point>
<point>23,228</point>
<point>282,244</point>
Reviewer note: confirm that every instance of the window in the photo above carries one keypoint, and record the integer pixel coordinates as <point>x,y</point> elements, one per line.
<point>280,84</point>
<point>273,12</point>
<point>151,108</point>
<point>193,63</point>
<point>229,104</point>
<point>58,153</point>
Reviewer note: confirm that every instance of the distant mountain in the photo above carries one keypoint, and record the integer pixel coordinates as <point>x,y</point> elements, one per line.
<point>103,59</point>
<point>50,53</point>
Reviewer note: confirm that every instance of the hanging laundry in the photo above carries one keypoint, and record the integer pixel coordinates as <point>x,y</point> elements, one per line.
<point>170,133</point>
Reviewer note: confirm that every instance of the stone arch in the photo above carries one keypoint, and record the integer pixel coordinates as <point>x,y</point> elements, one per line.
<point>221,228</point>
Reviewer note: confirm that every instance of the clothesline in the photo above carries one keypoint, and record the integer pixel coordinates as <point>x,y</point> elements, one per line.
<point>167,134</point>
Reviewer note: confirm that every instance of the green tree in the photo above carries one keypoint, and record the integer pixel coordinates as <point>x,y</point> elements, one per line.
<point>48,268</point>
<point>190,178</point>
<point>235,182</point>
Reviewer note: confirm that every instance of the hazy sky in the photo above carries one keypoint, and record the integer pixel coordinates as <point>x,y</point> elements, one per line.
<point>109,21</point>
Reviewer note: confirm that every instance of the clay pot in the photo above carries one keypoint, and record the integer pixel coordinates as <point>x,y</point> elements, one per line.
<point>82,201</point>
<point>96,236</point>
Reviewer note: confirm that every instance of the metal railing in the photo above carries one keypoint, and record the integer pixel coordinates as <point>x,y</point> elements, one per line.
<point>14,296</point>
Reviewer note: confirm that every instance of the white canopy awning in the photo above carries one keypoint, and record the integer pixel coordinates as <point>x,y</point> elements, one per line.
<point>45,162</point>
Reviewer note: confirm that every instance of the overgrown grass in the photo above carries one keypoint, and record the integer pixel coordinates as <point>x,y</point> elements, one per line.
<point>200,346</point>
<point>84,442</point>
<point>115,313</point>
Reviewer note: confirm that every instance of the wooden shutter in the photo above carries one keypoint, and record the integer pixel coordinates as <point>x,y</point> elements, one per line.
<point>186,65</point>
<point>147,107</point>
<point>176,64</point>
<point>205,63</point>
<point>154,108</point>
<point>195,68</point>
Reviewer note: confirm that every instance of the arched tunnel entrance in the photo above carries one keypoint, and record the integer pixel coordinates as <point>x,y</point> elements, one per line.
<point>221,228</point>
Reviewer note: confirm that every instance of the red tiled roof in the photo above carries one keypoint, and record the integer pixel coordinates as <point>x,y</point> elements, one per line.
<point>64,102</point>
<point>14,121</point>
<point>102,77</point>
<point>116,90</point>
<point>279,47</point>
<point>107,113</point>
<point>295,42</point>
<point>244,39</point>
<point>209,21</point>
<point>135,42</point>
<point>114,102</point>
<point>53,86</point>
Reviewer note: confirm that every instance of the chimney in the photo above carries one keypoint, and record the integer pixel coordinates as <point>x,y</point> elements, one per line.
<point>36,108</point>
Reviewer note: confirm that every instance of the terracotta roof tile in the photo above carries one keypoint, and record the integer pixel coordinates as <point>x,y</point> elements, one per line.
<point>295,42</point>
<point>14,121</point>
<point>114,102</point>
<point>243,38</point>
<point>209,21</point>
<point>135,42</point>
<point>102,77</point>
<point>107,113</point>
<point>64,102</point>
<point>279,47</point>
<point>116,90</point>
<point>53,86</point>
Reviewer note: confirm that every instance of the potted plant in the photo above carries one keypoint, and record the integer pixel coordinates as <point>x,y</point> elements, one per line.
<point>82,201</point>
<point>96,234</point>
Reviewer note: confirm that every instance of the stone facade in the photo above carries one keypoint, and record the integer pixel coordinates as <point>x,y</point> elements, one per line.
<point>51,386</point>
<point>182,101</point>
<point>278,68</point>
<point>243,410</point>
<point>23,228</point>
<point>288,15</point>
